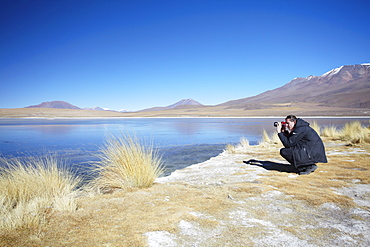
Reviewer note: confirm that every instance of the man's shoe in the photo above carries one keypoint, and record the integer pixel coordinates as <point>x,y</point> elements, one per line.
<point>308,170</point>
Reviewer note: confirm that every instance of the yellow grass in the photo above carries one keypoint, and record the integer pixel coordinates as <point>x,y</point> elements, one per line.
<point>242,145</point>
<point>244,142</point>
<point>316,127</point>
<point>268,139</point>
<point>265,137</point>
<point>353,132</point>
<point>31,188</point>
<point>126,163</point>
<point>230,149</point>
<point>331,132</point>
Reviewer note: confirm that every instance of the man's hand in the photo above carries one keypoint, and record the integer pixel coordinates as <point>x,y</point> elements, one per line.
<point>278,127</point>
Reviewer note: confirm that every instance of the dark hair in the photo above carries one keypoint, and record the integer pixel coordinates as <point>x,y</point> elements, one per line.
<point>292,117</point>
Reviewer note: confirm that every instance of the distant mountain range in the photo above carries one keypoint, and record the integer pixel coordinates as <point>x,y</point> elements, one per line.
<point>347,87</point>
<point>66,105</point>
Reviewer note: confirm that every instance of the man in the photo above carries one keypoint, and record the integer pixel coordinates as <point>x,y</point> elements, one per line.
<point>303,147</point>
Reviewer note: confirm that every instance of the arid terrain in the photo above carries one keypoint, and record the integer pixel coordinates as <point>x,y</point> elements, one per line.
<point>226,202</point>
<point>299,109</point>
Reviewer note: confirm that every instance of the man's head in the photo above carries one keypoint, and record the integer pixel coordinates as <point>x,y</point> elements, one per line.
<point>291,121</point>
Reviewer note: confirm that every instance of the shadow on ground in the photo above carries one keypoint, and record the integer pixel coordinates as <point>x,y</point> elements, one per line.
<point>269,165</point>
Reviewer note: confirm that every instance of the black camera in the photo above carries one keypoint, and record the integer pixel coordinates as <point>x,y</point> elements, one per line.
<point>282,124</point>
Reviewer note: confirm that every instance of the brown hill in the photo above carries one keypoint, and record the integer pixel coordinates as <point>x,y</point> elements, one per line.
<point>55,105</point>
<point>346,86</point>
<point>185,102</point>
<point>182,104</point>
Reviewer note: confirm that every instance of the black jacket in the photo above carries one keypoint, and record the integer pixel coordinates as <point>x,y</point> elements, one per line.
<point>307,145</point>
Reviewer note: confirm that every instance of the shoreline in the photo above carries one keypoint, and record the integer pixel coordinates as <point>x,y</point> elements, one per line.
<point>266,117</point>
<point>298,109</point>
<point>226,202</point>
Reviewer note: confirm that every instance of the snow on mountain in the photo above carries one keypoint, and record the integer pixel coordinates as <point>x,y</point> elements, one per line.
<point>333,72</point>
<point>124,110</point>
<point>96,108</point>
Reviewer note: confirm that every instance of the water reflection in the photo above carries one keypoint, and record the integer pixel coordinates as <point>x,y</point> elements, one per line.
<point>187,127</point>
<point>53,129</point>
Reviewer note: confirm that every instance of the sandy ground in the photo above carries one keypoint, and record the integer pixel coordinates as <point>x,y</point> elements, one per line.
<point>226,202</point>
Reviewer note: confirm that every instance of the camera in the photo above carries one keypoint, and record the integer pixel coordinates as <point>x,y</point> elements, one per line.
<point>282,124</point>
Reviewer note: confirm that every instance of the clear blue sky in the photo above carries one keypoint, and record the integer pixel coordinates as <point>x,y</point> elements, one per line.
<point>138,54</point>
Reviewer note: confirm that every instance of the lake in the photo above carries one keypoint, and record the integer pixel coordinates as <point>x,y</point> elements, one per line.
<point>180,141</point>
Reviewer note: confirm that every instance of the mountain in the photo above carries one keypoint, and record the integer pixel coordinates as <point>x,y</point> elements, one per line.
<point>55,105</point>
<point>185,103</point>
<point>124,110</point>
<point>96,108</point>
<point>346,86</point>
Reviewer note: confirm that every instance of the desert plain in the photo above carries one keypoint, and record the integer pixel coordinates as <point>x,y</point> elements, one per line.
<point>299,109</point>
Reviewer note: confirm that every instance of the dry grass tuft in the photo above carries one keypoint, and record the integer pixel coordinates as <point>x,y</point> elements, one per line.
<point>352,132</point>
<point>265,137</point>
<point>231,149</point>
<point>316,127</point>
<point>125,163</point>
<point>244,143</point>
<point>355,133</point>
<point>269,139</point>
<point>33,188</point>
<point>239,148</point>
<point>330,132</point>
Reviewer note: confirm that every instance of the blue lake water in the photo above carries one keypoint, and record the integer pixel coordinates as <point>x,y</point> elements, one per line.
<point>180,141</point>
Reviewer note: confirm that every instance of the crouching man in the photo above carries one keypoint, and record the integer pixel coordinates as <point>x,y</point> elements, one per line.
<point>303,147</point>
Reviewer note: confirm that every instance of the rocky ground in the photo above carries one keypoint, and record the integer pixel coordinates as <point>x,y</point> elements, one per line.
<point>227,202</point>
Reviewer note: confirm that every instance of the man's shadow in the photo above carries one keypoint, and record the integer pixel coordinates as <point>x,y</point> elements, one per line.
<point>269,165</point>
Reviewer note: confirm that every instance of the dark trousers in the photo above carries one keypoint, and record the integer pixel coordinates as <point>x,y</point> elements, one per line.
<point>287,153</point>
